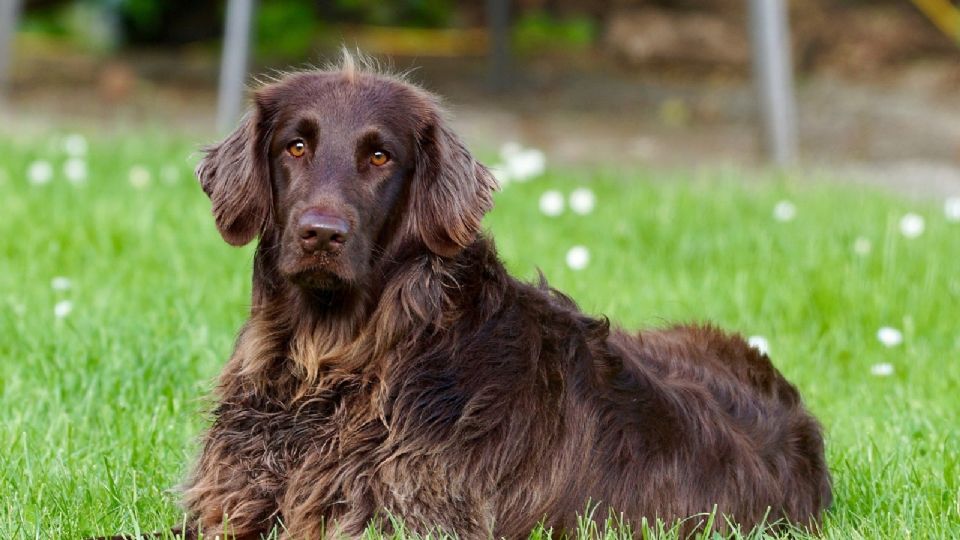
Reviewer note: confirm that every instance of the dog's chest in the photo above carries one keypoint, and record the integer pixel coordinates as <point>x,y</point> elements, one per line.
<point>337,423</point>
<point>320,442</point>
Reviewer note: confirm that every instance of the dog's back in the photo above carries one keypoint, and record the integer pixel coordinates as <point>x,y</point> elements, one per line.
<point>666,423</point>
<point>716,424</point>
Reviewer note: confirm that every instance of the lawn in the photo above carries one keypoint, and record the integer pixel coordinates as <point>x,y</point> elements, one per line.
<point>119,303</point>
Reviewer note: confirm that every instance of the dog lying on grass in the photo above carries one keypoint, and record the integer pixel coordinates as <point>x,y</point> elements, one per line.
<point>391,368</point>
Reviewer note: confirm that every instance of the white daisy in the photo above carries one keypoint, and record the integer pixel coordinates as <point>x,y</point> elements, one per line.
<point>912,225</point>
<point>75,170</point>
<point>759,343</point>
<point>500,172</point>
<point>882,369</point>
<point>784,211</point>
<point>951,208</point>
<point>60,283</point>
<point>862,246</point>
<point>62,309</point>
<point>582,201</point>
<point>890,337</point>
<point>526,164</point>
<point>139,177</point>
<point>40,173</point>
<point>75,145</point>
<point>578,257</point>
<point>551,203</point>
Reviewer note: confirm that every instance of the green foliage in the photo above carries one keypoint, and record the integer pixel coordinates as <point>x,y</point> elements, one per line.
<point>101,408</point>
<point>145,14</point>
<point>84,24</point>
<point>285,28</point>
<point>428,13</point>
<point>47,22</point>
<point>537,30</point>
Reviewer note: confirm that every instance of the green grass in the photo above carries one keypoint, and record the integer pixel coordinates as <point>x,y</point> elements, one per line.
<point>100,410</point>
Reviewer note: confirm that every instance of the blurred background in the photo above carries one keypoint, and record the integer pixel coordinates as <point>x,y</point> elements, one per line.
<point>655,82</point>
<point>644,130</point>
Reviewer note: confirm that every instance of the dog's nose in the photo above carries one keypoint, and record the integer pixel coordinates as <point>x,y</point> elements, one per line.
<point>321,232</point>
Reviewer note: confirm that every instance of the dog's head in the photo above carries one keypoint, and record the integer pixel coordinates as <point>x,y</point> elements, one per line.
<point>339,166</point>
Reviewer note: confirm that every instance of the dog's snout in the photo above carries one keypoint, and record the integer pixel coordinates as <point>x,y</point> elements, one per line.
<point>321,232</point>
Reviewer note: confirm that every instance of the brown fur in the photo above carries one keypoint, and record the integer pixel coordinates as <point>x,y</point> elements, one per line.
<point>411,376</point>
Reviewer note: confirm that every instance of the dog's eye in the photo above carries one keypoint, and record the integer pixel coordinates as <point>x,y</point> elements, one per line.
<point>297,148</point>
<point>379,158</point>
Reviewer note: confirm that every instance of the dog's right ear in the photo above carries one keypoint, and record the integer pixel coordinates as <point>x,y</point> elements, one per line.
<point>235,174</point>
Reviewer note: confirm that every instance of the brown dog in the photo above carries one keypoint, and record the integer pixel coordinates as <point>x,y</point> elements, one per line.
<point>392,368</point>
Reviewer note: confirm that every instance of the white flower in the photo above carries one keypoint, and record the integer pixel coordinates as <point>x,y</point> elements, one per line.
<point>862,246</point>
<point>551,203</point>
<point>578,257</point>
<point>40,172</point>
<point>139,176</point>
<point>526,164</point>
<point>519,164</point>
<point>62,308</point>
<point>60,283</point>
<point>75,145</point>
<point>784,211</point>
<point>882,369</point>
<point>170,174</point>
<point>582,201</point>
<point>911,225</point>
<point>75,169</point>
<point>500,172</point>
<point>951,208</point>
<point>890,337</point>
<point>759,343</point>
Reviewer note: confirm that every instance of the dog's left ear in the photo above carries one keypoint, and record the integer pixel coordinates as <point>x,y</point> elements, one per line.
<point>451,191</point>
<point>235,174</point>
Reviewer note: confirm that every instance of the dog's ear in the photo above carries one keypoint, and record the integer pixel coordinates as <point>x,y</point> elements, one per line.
<point>450,192</point>
<point>235,174</point>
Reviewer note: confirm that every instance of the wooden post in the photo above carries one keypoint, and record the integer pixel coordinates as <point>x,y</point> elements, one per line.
<point>498,25</point>
<point>773,74</point>
<point>9,15</point>
<point>234,62</point>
